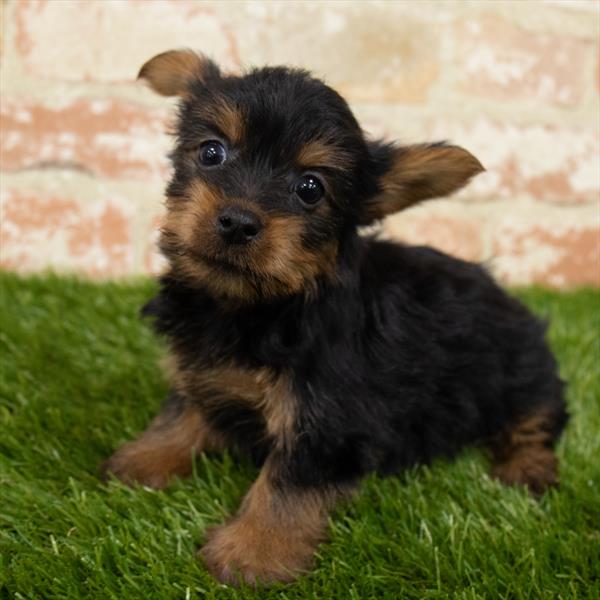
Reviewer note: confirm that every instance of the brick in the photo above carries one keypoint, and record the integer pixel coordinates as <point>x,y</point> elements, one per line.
<point>40,231</point>
<point>2,27</point>
<point>559,254</point>
<point>598,71</point>
<point>591,6</point>
<point>448,229</point>
<point>388,55</point>
<point>538,162</point>
<point>109,41</point>
<point>108,137</point>
<point>499,60</point>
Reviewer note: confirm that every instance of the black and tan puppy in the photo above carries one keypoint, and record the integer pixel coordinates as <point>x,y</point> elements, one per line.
<point>322,354</point>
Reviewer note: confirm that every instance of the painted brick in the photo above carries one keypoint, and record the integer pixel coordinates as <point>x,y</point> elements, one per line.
<point>109,41</point>
<point>2,27</point>
<point>382,56</point>
<point>560,254</point>
<point>598,70</point>
<point>106,137</point>
<point>390,55</point>
<point>499,60</point>
<point>540,162</point>
<point>591,6</point>
<point>448,229</point>
<point>40,231</point>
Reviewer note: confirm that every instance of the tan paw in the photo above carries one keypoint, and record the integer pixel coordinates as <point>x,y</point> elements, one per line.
<point>535,468</point>
<point>137,462</point>
<point>239,552</point>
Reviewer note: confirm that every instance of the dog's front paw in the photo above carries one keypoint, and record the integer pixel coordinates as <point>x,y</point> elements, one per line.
<point>240,551</point>
<point>136,462</point>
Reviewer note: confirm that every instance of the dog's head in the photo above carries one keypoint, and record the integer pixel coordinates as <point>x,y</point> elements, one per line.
<point>272,171</point>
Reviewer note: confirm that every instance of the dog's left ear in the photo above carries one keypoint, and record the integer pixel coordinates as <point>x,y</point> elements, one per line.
<point>407,175</point>
<point>172,72</point>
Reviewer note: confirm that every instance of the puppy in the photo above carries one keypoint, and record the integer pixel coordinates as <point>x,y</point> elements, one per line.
<point>322,354</point>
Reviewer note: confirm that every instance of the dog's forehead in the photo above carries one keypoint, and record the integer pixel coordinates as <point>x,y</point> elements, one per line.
<point>287,93</point>
<point>279,116</point>
<point>275,97</point>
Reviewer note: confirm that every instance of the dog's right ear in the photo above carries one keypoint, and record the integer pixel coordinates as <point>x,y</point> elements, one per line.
<point>408,175</point>
<point>172,72</point>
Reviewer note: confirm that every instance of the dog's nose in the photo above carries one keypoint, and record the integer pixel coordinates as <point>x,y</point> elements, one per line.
<point>238,226</point>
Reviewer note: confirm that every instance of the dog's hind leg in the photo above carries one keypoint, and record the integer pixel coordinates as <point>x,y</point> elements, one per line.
<point>523,454</point>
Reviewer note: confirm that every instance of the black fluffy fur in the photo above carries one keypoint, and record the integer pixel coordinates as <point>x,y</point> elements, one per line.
<point>407,354</point>
<point>415,355</point>
<point>383,356</point>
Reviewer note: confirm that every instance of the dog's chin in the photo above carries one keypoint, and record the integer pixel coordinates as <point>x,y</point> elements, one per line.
<point>226,278</point>
<point>237,281</point>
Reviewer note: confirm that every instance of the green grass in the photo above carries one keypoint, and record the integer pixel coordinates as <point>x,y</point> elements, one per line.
<point>79,377</point>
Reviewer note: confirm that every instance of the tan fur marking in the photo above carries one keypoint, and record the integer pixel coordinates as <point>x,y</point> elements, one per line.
<point>170,73</point>
<point>535,467</point>
<point>320,154</point>
<point>524,456</point>
<point>164,450</point>
<point>293,265</point>
<point>228,119</point>
<point>189,227</point>
<point>260,389</point>
<point>223,114</point>
<point>275,265</point>
<point>279,409</point>
<point>419,173</point>
<point>272,538</point>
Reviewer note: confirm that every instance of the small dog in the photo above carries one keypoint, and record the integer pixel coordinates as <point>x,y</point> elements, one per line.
<point>322,354</point>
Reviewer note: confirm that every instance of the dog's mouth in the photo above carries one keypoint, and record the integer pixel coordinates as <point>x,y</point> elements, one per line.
<point>225,264</point>
<point>261,282</point>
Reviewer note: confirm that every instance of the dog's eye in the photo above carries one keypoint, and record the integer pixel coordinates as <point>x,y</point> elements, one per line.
<point>212,153</point>
<point>309,189</point>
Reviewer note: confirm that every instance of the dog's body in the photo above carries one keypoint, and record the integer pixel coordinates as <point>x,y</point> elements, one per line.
<point>322,354</point>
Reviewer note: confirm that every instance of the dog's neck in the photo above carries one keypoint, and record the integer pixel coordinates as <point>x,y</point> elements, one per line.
<point>277,330</point>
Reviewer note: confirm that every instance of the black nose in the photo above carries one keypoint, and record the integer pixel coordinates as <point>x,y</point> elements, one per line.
<point>238,226</point>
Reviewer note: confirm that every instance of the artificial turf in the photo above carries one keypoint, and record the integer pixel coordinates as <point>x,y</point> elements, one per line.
<point>80,377</point>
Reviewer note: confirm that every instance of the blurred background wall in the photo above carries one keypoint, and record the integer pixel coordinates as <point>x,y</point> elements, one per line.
<point>83,146</point>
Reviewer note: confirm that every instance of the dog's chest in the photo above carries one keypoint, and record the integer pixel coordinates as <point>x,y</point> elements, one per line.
<point>240,401</point>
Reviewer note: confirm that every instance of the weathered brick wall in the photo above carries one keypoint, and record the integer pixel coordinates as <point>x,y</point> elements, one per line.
<point>517,83</point>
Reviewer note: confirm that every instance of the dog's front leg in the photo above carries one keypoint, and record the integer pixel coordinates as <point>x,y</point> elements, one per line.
<point>166,448</point>
<point>275,533</point>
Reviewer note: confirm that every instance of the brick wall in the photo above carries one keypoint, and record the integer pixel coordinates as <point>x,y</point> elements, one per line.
<point>517,83</point>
